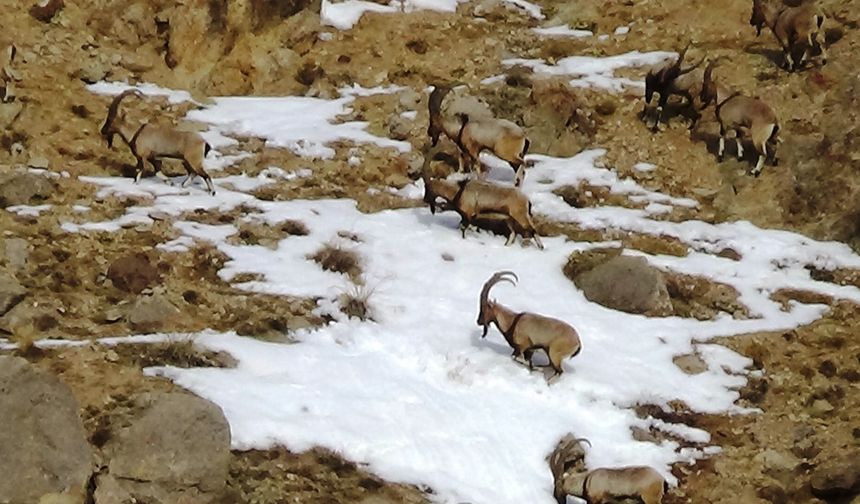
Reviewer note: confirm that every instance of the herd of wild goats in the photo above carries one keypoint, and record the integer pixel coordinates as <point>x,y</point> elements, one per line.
<point>799,33</point>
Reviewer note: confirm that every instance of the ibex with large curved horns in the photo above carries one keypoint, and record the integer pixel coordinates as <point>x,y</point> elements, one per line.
<point>669,80</point>
<point>526,332</point>
<point>152,142</point>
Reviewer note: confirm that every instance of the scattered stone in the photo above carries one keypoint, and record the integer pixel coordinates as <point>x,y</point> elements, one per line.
<point>838,478</point>
<point>150,313</point>
<point>9,112</point>
<point>45,10</point>
<point>92,70</point>
<point>691,363</point>
<point>11,291</point>
<point>628,284</point>
<point>778,465</point>
<point>399,127</point>
<point>178,450</point>
<point>133,273</point>
<point>409,99</point>
<point>23,188</point>
<point>45,452</point>
<point>15,251</point>
<point>38,162</point>
<point>821,408</point>
<point>773,493</point>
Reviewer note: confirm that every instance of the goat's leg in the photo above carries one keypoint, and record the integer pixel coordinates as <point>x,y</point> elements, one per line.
<point>740,146</point>
<point>138,170</point>
<point>722,148</point>
<point>156,165</point>
<point>761,158</point>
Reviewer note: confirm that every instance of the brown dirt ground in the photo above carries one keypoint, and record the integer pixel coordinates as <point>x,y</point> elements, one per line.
<point>220,47</point>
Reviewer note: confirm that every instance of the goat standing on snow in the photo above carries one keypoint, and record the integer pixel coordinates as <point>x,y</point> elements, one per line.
<point>152,142</point>
<point>526,332</point>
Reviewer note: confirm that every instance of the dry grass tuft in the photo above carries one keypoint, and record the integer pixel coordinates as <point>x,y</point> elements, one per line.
<point>333,258</point>
<point>356,303</point>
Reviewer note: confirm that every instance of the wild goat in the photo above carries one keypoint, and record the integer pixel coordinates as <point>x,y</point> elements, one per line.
<point>475,134</point>
<point>524,331</point>
<point>152,142</point>
<point>605,484</point>
<point>744,115</point>
<point>474,199</point>
<point>670,80</point>
<point>793,27</point>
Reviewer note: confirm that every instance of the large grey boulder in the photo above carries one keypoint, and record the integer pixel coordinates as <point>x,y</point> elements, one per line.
<point>628,284</point>
<point>44,454</point>
<point>178,450</point>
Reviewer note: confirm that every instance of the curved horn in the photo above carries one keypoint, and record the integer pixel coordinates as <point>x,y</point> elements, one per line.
<point>500,276</point>
<point>583,439</point>
<point>114,108</point>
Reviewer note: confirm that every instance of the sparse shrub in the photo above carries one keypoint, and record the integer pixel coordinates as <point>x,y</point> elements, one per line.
<point>333,258</point>
<point>294,228</point>
<point>355,303</point>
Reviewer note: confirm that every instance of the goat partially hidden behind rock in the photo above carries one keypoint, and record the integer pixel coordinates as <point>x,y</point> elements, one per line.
<point>153,142</point>
<point>526,332</point>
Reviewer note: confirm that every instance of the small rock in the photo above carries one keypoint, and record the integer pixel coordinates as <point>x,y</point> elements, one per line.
<point>133,273</point>
<point>16,149</point>
<point>150,313</point>
<point>91,71</point>
<point>399,127</point>
<point>297,323</point>
<point>773,493</point>
<point>39,162</point>
<point>409,99</point>
<point>10,111</point>
<point>839,478</point>
<point>111,356</point>
<point>821,408</point>
<point>45,10</point>
<point>46,456</point>
<point>11,292</point>
<point>23,188</point>
<point>15,251</point>
<point>778,465</point>
<point>691,363</point>
<point>628,284</point>
<point>112,315</point>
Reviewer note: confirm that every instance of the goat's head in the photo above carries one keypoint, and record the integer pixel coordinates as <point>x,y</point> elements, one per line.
<point>758,18</point>
<point>110,127</point>
<point>486,313</point>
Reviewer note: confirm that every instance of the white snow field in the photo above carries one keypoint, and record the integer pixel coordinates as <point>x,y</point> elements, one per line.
<point>416,394</point>
<point>344,15</point>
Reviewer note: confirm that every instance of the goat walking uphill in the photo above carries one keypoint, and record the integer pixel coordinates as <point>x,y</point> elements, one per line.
<point>746,117</point>
<point>526,332</point>
<point>152,142</point>
<point>795,28</point>
<point>473,135</point>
